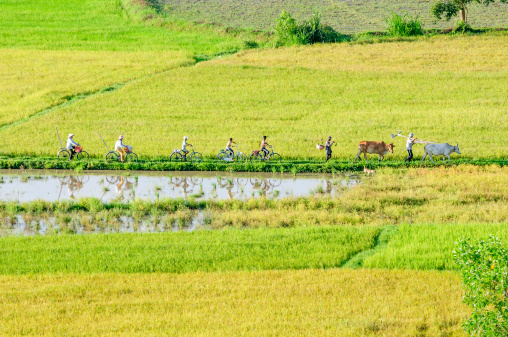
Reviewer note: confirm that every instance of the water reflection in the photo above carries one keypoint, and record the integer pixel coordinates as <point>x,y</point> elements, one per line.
<point>127,187</point>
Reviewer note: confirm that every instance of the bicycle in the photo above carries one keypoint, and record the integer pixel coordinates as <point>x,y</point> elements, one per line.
<point>259,156</point>
<point>65,154</point>
<point>115,156</point>
<point>227,156</point>
<point>194,157</point>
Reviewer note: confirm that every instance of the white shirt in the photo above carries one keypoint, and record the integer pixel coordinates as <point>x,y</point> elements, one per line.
<point>409,144</point>
<point>119,145</point>
<point>71,143</point>
<point>184,144</point>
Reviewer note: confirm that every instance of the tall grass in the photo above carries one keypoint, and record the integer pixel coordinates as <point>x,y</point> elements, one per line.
<point>429,246</point>
<point>283,303</point>
<point>404,25</point>
<point>184,251</point>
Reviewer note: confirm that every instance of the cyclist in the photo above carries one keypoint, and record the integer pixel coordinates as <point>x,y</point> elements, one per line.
<point>228,147</point>
<point>184,147</point>
<point>263,147</point>
<point>328,147</point>
<point>71,145</point>
<point>120,147</point>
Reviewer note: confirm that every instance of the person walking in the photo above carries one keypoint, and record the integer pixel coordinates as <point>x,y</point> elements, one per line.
<point>328,147</point>
<point>71,145</point>
<point>409,147</point>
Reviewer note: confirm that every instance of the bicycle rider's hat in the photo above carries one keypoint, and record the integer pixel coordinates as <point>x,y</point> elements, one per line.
<point>411,134</point>
<point>330,137</point>
<point>121,137</point>
<point>185,137</point>
<point>71,135</point>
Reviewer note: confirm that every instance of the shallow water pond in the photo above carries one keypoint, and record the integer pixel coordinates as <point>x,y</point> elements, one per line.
<point>24,186</point>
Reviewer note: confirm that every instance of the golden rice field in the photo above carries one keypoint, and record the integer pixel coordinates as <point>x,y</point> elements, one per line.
<point>270,303</point>
<point>33,80</point>
<point>244,97</point>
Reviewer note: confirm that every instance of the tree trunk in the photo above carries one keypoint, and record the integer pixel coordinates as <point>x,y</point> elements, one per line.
<point>463,14</point>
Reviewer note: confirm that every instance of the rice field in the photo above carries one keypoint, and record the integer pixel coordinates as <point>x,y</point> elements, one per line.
<point>264,303</point>
<point>294,107</point>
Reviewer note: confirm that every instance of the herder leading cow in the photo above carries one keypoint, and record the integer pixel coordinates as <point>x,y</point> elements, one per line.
<point>374,147</point>
<point>444,149</point>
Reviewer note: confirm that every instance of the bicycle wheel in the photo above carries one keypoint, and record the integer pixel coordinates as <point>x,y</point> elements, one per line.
<point>256,158</point>
<point>83,155</point>
<point>241,158</point>
<point>275,158</point>
<point>112,156</point>
<point>196,180</point>
<point>112,179</point>
<point>196,157</point>
<point>131,156</point>
<point>176,157</point>
<point>221,156</point>
<point>63,154</point>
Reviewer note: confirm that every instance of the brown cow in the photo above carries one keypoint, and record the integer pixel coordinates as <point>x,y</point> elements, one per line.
<point>374,147</point>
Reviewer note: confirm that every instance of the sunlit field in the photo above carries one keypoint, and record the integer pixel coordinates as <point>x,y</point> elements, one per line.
<point>282,303</point>
<point>293,107</point>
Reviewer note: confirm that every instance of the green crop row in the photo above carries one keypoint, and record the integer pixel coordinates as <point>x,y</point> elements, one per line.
<point>185,251</point>
<point>296,166</point>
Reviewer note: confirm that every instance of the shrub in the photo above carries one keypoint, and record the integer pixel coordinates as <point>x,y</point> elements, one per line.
<point>404,25</point>
<point>484,270</point>
<point>289,32</point>
<point>462,27</point>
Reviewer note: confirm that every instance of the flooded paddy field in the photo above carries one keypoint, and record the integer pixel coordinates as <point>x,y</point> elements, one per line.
<point>26,186</point>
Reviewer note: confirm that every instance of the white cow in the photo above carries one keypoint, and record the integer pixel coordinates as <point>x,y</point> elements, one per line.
<point>444,149</point>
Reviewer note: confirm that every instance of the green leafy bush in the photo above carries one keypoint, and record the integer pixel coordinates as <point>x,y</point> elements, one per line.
<point>289,32</point>
<point>404,25</point>
<point>462,27</point>
<point>484,270</point>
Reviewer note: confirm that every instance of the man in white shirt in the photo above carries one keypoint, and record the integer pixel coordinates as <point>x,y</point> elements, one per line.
<point>409,147</point>
<point>120,147</point>
<point>71,144</point>
<point>184,147</point>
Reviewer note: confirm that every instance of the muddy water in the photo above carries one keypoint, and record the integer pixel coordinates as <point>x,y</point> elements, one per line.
<point>24,186</point>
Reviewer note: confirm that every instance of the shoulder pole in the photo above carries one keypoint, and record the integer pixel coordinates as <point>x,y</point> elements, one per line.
<point>59,137</point>
<point>103,141</point>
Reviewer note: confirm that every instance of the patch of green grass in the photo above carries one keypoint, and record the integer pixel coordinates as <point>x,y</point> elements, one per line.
<point>226,250</point>
<point>99,25</point>
<point>429,246</point>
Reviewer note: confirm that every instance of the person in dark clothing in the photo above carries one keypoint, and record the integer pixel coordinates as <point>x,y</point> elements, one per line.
<point>328,147</point>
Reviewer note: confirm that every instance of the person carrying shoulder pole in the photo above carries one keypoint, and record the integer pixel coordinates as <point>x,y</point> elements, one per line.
<point>71,145</point>
<point>328,147</point>
<point>120,147</point>
<point>409,146</point>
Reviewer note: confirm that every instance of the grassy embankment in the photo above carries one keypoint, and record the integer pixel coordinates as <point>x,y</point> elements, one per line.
<point>462,194</point>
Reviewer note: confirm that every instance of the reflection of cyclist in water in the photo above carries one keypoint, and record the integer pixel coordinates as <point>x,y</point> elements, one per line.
<point>74,184</point>
<point>123,185</point>
<point>328,187</point>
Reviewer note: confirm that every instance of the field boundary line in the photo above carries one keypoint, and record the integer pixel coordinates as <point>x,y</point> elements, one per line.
<point>380,242</point>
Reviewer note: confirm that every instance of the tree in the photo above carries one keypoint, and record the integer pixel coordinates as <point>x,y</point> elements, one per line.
<point>450,8</point>
<point>484,270</point>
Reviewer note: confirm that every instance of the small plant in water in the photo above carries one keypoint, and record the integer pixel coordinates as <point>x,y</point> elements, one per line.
<point>23,179</point>
<point>276,193</point>
<point>230,182</point>
<point>106,189</point>
<point>136,178</point>
<point>158,188</point>
<point>214,186</point>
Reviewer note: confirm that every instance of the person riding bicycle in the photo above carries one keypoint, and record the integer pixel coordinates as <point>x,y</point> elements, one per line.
<point>121,147</point>
<point>328,147</point>
<point>228,147</point>
<point>263,147</point>
<point>184,147</point>
<point>71,145</point>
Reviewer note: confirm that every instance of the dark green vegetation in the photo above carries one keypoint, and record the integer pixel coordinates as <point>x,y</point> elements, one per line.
<point>344,16</point>
<point>296,166</point>
<point>185,252</point>
<point>484,269</point>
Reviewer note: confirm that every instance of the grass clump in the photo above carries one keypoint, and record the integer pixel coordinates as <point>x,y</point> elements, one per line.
<point>289,32</point>
<point>404,25</point>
